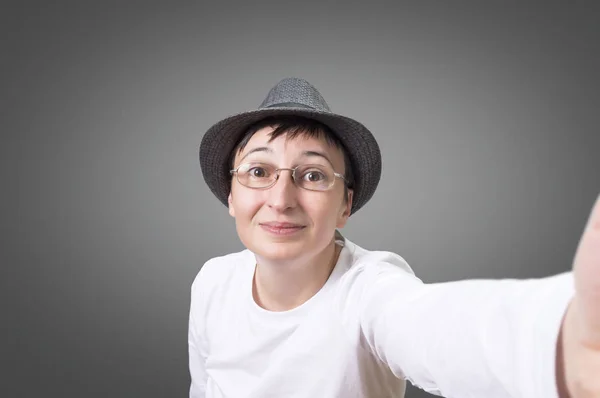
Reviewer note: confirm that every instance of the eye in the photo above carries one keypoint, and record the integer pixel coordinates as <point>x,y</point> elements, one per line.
<point>314,176</point>
<point>258,172</point>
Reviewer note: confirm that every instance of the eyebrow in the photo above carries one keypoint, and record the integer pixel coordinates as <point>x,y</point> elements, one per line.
<point>319,154</point>
<point>258,149</point>
<point>305,153</point>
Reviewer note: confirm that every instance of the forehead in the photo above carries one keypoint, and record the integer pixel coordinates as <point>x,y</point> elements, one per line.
<point>291,145</point>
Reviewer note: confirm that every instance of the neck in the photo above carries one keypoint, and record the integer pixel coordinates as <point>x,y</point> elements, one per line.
<point>280,287</point>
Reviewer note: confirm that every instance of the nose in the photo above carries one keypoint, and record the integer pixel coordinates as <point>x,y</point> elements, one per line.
<point>282,195</point>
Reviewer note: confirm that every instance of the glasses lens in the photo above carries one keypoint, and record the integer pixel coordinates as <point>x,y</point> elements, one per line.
<point>315,177</point>
<point>256,175</point>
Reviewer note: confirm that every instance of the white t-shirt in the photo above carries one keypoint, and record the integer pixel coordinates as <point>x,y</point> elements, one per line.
<point>372,326</point>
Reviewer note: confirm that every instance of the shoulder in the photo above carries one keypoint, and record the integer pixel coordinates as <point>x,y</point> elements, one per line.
<point>219,271</point>
<point>370,280</point>
<point>365,272</point>
<point>377,262</point>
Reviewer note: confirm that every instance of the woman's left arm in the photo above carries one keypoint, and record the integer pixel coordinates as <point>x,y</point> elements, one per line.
<point>492,338</point>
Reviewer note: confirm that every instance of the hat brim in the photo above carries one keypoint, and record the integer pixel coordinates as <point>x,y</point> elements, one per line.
<point>219,141</point>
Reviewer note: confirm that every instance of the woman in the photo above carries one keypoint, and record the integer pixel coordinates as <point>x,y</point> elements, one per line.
<point>305,312</point>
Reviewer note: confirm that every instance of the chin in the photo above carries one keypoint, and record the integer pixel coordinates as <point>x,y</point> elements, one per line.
<point>281,251</point>
<point>277,250</point>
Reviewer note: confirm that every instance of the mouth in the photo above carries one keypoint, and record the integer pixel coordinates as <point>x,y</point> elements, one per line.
<point>281,228</point>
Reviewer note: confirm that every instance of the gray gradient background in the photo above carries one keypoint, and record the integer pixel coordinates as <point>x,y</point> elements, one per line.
<point>487,116</point>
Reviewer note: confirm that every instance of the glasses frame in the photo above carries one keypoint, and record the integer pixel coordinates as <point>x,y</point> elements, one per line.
<point>293,170</point>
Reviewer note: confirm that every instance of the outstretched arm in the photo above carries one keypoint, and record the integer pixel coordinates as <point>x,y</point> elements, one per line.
<point>472,338</point>
<point>578,361</point>
<point>492,338</point>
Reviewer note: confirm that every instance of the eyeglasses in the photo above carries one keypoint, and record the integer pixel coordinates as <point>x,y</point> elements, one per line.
<point>314,177</point>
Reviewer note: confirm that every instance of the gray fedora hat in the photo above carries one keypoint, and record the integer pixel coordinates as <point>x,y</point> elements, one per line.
<point>292,96</point>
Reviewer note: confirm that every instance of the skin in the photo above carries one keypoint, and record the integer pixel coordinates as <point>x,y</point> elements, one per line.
<point>578,364</point>
<point>290,269</point>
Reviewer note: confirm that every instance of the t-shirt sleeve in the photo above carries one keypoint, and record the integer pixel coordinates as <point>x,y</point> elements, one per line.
<point>197,343</point>
<point>471,338</point>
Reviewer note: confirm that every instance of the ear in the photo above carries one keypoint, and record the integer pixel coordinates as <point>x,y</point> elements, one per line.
<point>230,202</point>
<point>347,209</point>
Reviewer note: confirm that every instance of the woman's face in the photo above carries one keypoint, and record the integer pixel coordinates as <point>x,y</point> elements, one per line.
<point>286,222</point>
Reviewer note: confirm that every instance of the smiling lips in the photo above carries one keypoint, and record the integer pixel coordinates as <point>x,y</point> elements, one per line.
<point>281,228</point>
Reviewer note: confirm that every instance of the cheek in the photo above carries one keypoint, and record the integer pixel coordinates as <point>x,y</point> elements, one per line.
<point>246,203</point>
<point>324,210</point>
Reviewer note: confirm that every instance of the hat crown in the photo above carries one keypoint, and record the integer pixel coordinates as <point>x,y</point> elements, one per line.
<point>295,92</point>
